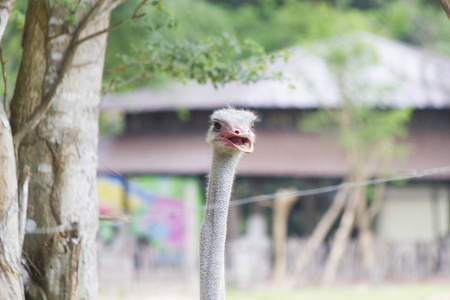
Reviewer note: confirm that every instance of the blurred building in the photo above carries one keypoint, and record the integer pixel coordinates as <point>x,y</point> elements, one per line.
<point>156,169</point>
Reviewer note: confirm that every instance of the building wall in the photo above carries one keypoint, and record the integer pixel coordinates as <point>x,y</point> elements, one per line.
<point>415,213</point>
<point>164,211</point>
<point>196,121</point>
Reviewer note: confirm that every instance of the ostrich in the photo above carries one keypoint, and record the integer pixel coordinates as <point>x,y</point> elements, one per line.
<point>230,135</point>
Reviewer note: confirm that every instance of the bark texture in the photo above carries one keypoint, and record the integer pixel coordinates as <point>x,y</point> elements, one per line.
<point>10,282</point>
<point>10,246</point>
<point>5,10</point>
<point>61,151</point>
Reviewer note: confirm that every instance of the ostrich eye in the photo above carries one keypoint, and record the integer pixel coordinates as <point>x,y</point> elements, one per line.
<point>217,126</point>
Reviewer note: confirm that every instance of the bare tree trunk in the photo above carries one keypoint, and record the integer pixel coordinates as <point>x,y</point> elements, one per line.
<point>365,218</point>
<point>10,248</point>
<point>363,154</point>
<point>356,160</point>
<point>10,237</point>
<point>61,150</point>
<point>320,231</point>
<point>5,10</point>
<point>282,206</point>
<point>341,238</point>
<point>365,237</point>
<point>377,202</point>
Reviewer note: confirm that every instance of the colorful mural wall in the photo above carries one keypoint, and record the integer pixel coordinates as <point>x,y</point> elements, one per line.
<point>157,206</point>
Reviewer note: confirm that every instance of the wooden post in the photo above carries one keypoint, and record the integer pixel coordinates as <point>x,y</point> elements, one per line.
<point>285,199</point>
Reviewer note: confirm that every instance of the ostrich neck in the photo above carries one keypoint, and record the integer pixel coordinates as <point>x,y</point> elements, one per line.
<point>220,182</point>
<point>214,228</point>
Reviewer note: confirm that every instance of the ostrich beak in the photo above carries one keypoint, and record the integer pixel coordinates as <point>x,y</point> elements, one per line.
<point>241,142</point>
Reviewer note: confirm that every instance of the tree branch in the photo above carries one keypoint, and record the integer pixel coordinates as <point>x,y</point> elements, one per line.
<point>23,204</point>
<point>446,6</point>
<point>117,25</point>
<point>133,79</point>
<point>114,219</point>
<point>321,229</point>
<point>114,4</point>
<point>5,83</point>
<point>49,97</point>
<point>111,28</point>
<point>124,66</point>
<point>138,8</point>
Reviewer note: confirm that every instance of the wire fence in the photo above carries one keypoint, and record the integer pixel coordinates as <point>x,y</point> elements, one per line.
<point>32,229</point>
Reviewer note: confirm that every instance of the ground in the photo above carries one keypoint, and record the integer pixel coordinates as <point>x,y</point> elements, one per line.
<point>410,291</point>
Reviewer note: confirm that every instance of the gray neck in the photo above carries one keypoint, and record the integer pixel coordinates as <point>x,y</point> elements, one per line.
<point>220,181</point>
<point>214,228</point>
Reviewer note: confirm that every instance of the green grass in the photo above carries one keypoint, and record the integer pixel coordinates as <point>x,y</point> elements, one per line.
<point>410,291</point>
<point>385,292</point>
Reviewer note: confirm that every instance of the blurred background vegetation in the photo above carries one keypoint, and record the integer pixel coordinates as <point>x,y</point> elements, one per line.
<point>273,24</point>
<point>222,31</point>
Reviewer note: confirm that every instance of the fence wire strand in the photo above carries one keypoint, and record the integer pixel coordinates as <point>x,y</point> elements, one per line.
<point>157,216</point>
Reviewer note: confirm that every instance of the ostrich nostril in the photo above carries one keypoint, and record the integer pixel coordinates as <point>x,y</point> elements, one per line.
<point>236,131</point>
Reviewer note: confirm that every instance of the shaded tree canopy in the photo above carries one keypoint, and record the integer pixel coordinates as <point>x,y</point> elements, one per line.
<point>273,24</point>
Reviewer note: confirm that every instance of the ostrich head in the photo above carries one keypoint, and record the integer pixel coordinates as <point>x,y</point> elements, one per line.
<point>231,131</point>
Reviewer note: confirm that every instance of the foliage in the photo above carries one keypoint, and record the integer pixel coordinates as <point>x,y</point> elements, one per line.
<point>416,22</point>
<point>12,51</point>
<point>276,24</point>
<point>17,18</point>
<point>357,123</point>
<point>372,128</point>
<point>216,59</point>
<point>72,8</point>
<point>198,61</point>
<point>111,123</point>
<point>273,24</point>
<point>277,27</point>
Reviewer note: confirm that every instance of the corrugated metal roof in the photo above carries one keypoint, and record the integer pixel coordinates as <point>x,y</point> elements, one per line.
<point>403,76</point>
<point>297,154</point>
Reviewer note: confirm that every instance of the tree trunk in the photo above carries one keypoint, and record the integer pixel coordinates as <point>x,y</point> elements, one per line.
<point>377,202</point>
<point>365,218</point>
<point>5,10</point>
<point>10,250</point>
<point>342,236</point>
<point>320,231</point>
<point>10,247</point>
<point>282,206</point>
<point>61,150</point>
<point>365,238</point>
<point>349,128</point>
<point>366,245</point>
